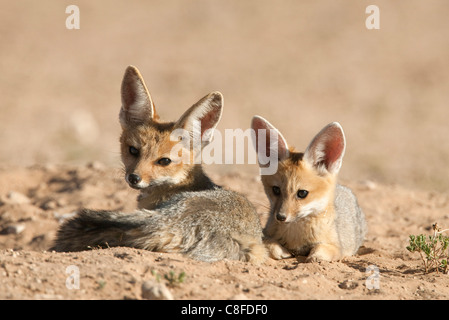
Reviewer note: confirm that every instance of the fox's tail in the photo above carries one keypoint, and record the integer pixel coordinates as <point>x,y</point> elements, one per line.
<point>101,229</point>
<point>155,231</point>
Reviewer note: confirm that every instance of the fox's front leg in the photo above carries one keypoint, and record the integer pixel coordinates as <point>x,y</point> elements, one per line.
<point>276,250</point>
<point>324,252</point>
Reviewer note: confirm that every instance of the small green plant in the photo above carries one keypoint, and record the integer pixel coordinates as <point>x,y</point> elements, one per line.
<point>174,280</point>
<point>433,249</point>
<point>156,275</point>
<point>171,277</point>
<point>101,284</point>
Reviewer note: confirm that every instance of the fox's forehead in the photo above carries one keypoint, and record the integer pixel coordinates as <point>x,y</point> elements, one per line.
<point>147,134</point>
<point>294,173</point>
<point>149,139</point>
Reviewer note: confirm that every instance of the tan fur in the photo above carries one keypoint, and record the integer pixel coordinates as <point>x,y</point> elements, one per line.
<point>311,230</point>
<point>327,224</point>
<point>154,143</point>
<point>180,208</point>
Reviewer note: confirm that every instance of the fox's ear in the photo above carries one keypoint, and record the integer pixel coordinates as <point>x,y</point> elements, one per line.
<point>325,152</point>
<point>268,139</point>
<point>203,116</point>
<point>137,106</point>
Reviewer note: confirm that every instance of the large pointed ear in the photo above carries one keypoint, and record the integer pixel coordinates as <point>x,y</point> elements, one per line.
<point>267,139</point>
<point>202,116</point>
<point>137,106</point>
<point>325,152</point>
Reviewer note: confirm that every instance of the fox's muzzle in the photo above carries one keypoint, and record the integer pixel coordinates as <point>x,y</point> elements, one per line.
<point>135,181</point>
<point>281,217</point>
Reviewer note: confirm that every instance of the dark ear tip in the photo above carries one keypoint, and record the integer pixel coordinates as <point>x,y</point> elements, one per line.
<point>131,75</point>
<point>131,69</point>
<point>216,98</point>
<point>257,119</point>
<point>335,125</point>
<point>215,101</point>
<point>217,94</point>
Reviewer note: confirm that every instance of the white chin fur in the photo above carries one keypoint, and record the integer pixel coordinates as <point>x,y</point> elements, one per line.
<point>140,185</point>
<point>314,207</point>
<point>165,180</point>
<point>170,180</point>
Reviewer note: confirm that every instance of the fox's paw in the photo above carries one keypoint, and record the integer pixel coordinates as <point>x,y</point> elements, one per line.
<point>323,252</point>
<point>315,258</point>
<point>278,252</point>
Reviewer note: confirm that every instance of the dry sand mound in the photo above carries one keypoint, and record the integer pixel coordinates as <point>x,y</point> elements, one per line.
<point>35,200</point>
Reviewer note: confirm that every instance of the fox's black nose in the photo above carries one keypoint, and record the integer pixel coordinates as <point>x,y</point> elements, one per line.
<point>134,178</point>
<point>280,217</point>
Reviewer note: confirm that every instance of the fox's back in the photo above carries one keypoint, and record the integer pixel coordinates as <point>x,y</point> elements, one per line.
<point>350,220</point>
<point>217,210</point>
<point>181,209</point>
<point>207,225</point>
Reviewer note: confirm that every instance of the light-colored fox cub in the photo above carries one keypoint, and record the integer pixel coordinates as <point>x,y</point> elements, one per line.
<point>310,214</point>
<point>181,209</point>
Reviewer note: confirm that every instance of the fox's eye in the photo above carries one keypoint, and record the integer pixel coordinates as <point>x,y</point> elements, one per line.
<point>134,151</point>
<point>276,190</point>
<point>301,194</point>
<point>164,161</point>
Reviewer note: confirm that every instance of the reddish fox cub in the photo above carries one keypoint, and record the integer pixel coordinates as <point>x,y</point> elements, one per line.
<point>180,208</point>
<point>310,214</point>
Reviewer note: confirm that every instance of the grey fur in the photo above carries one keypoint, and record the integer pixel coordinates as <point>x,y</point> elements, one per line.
<point>206,225</point>
<point>350,221</point>
<point>189,215</point>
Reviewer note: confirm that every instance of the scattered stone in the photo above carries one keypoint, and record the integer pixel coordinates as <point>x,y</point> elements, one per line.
<point>44,296</point>
<point>239,296</point>
<point>14,197</point>
<point>96,165</point>
<point>348,285</point>
<point>64,216</point>
<point>153,290</point>
<point>14,229</point>
<point>49,205</point>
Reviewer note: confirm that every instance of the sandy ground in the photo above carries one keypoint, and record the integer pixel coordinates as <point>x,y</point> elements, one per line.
<point>300,64</point>
<point>29,218</point>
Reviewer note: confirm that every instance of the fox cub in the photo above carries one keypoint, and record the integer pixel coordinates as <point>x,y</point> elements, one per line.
<point>180,209</point>
<point>310,214</point>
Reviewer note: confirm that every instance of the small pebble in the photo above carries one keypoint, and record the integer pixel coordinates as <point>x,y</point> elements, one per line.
<point>153,290</point>
<point>239,296</point>
<point>14,197</point>
<point>348,285</point>
<point>14,229</point>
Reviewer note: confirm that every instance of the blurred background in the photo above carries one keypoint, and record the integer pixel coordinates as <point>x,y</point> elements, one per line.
<point>300,64</point>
